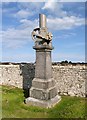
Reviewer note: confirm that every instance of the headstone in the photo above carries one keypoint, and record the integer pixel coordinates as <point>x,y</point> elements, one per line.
<point>43,92</point>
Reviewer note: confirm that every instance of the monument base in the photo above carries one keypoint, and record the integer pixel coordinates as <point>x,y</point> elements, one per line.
<point>43,93</point>
<point>43,103</point>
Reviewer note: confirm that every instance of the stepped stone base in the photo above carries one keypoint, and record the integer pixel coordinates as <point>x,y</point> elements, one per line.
<point>43,103</point>
<point>43,89</point>
<point>43,93</point>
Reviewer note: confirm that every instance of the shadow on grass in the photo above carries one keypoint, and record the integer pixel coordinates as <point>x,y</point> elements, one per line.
<point>26,93</point>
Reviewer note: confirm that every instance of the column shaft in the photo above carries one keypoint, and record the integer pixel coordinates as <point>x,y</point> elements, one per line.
<point>43,69</point>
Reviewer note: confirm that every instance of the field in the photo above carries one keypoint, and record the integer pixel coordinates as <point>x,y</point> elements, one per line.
<point>13,106</point>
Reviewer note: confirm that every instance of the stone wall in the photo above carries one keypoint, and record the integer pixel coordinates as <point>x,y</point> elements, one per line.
<point>70,79</point>
<point>20,75</point>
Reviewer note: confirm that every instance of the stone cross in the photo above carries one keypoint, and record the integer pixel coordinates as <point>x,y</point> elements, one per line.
<point>43,92</point>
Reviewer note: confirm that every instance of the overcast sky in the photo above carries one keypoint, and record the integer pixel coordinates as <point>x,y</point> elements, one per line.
<point>66,21</point>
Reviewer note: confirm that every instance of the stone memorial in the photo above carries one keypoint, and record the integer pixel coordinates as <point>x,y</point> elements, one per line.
<point>43,92</point>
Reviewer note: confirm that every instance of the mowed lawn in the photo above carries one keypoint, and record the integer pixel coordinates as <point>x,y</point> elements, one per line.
<point>13,106</point>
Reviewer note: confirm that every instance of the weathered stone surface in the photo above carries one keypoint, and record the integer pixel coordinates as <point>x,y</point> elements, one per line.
<point>43,103</point>
<point>10,75</point>
<point>65,76</point>
<point>42,83</point>
<point>70,79</point>
<point>17,75</point>
<point>43,69</point>
<point>43,94</point>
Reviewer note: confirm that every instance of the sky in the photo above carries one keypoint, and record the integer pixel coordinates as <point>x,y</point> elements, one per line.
<point>65,20</point>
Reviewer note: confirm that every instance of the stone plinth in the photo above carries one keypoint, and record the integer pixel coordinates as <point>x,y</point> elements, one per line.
<point>43,69</point>
<point>43,91</point>
<point>42,103</point>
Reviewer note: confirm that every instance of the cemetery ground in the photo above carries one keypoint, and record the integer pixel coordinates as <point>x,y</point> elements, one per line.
<point>13,106</point>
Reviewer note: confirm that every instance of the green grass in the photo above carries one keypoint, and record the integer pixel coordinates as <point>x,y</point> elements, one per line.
<point>13,106</point>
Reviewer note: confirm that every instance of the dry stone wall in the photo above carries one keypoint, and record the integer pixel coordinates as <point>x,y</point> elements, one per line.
<point>20,75</point>
<point>70,79</point>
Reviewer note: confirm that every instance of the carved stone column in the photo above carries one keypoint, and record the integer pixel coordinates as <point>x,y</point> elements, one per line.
<point>43,91</point>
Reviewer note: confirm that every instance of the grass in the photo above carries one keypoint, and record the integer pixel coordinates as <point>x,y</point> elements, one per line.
<point>13,106</point>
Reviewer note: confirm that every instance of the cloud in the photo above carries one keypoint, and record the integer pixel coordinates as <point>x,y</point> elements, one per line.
<point>17,37</point>
<point>21,9</point>
<point>20,35</point>
<point>42,1</point>
<point>31,6</point>
<point>24,1</point>
<point>8,8</point>
<point>54,8</point>
<point>59,19</point>
<point>29,23</point>
<point>23,14</point>
<point>13,38</point>
<point>65,23</point>
<point>50,5</point>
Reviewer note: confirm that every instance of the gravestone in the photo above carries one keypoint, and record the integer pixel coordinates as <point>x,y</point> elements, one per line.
<point>43,92</point>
